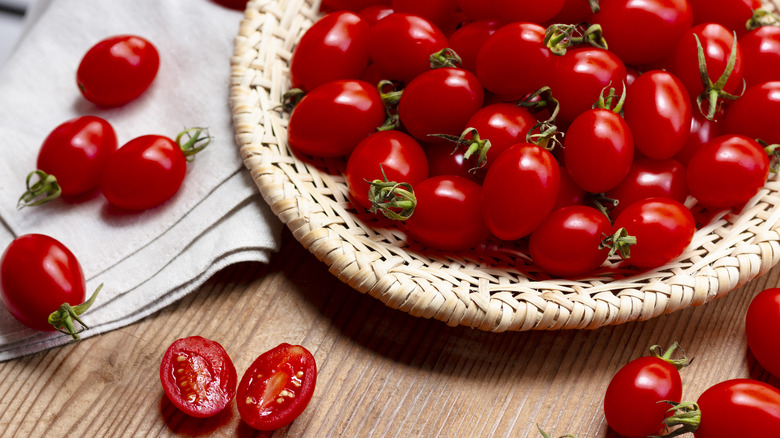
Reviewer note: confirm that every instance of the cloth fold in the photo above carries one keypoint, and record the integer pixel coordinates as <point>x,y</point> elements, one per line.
<point>145,260</point>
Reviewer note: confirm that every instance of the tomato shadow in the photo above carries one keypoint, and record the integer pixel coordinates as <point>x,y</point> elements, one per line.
<point>185,425</point>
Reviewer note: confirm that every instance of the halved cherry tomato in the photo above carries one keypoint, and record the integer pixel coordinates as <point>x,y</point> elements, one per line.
<point>117,70</point>
<point>277,387</point>
<point>198,376</point>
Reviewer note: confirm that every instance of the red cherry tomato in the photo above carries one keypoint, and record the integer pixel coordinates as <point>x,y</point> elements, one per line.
<point>650,178</point>
<point>447,215</point>
<point>658,110</point>
<point>727,171</point>
<point>754,114</point>
<point>335,47</point>
<point>117,70</point>
<point>581,75</point>
<point>574,12</point>
<point>503,125</point>
<point>514,61</point>
<point>445,159</point>
<point>761,55</point>
<point>350,5</point>
<point>372,14</point>
<point>438,12</point>
<point>733,14</point>
<point>702,131</point>
<point>401,45</point>
<point>568,242</point>
<point>148,170</point>
<point>598,150</point>
<point>238,5</point>
<point>198,376</point>
<point>738,407</point>
<point>532,11</point>
<point>477,9</point>
<point>633,403</point>
<point>569,193</point>
<point>318,124</point>
<point>509,213</point>
<point>467,41</point>
<point>38,275</point>
<point>396,154</point>
<point>642,32</point>
<point>663,229</point>
<point>277,387</point>
<point>762,323</point>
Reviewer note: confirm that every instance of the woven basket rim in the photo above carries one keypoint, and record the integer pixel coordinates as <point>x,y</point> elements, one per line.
<point>493,289</point>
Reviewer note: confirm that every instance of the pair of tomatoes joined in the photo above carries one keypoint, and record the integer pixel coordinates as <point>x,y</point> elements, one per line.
<point>199,378</point>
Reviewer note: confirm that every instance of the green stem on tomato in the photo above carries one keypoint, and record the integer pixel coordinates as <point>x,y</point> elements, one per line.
<point>542,99</point>
<point>606,102</point>
<point>474,145</point>
<point>762,17</point>
<point>196,140</point>
<point>666,356</point>
<point>63,318</point>
<point>686,414</point>
<point>45,189</point>
<point>390,95</point>
<point>713,92</point>
<point>559,37</point>
<point>445,58</point>
<point>394,200</point>
<point>619,243</point>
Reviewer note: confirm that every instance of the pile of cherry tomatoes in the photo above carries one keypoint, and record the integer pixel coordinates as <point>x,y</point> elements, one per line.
<point>583,128</point>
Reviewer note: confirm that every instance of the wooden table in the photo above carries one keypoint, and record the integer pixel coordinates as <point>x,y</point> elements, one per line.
<point>382,372</point>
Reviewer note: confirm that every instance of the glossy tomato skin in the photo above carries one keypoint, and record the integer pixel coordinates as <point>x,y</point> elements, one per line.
<point>658,110</point>
<point>76,152</point>
<point>371,14</point>
<point>574,12</point>
<point>649,178</point>
<point>398,155</point>
<point>702,131</point>
<point>316,124</point>
<point>733,14</point>
<point>754,114</point>
<point>503,124</point>
<point>37,275</point>
<point>198,376</point>
<point>468,40</point>
<point>598,150</point>
<point>511,214</point>
<point>581,75</point>
<point>117,70</point>
<point>440,101</point>
<point>633,402</point>
<point>447,214</point>
<point>756,404</point>
<point>642,32</point>
<point>567,243</point>
<point>401,45</point>
<point>514,61</point>
<point>569,193</point>
<point>335,47</point>
<point>350,5</point>
<point>477,9</point>
<point>532,11</point>
<point>144,173</point>
<point>277,387</point>
<point>727,171</point>
<point>444,159</point>
<point>438,12</point>
<point>762,323</point>
<point>663,229</point>
<point>238,5</point>
<point>761,55</point>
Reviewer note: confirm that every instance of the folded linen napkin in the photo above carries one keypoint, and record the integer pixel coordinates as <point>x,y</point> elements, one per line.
<point>145,260</point>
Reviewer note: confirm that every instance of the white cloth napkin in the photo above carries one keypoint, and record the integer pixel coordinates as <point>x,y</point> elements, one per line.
<point>149,259</point>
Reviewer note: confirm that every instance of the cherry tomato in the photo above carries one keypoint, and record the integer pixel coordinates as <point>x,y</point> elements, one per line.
<point>569,193</point>
<point>502,124</point>
<point>396,154</point>
<point>509,213</point>
<point>650,178</point>
<point>277,387</point>
<point>581,75</point>
<point>658,110</point>
<point>532,11</point>
<point>761,55</point>
<point>574,12</point>
<point>642,32</point>
<point>477,9</point>
<point>733,14</point>
<point>753,114</point>
<point>238,5</point>
<point>350,5</point>
<point>514,61</point>
<point>738,407</point>
<point>75,153</point>
<point>335,47</point>
<point>440,101</point>
<point>567,243</point>
<point>117,70</point>
<point>317,125</point>
<point>371,14</point>
<point>663,229</point>
<point>598,150</point>
<point>40,275</point>
<point>148,170</point>
<point>467,41</point>
<point>445,159</point>
<point>633,402</point>
<point>438,12</point>
<point>198,376</point>
<point>401,45</point>
<point>762,323</point>
<point>702,131</point>
<point>727,171</point>
<point>447,214</point>
<point>716,42</point>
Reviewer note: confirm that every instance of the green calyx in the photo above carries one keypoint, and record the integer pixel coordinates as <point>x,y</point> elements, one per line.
<point>762,17</point>
<point>43,190</point>
<point>773,151</point>
<point>619,243</point>
<point>291,98</point>
<point>547,435</point>
<point>445,58</point>
<point>594,6</point>
<point>63,318</point>
<point>195,140</point>
<point>390,95</point>
<point>548,136</point>
<point>542,99</point>
<point>474,145</point>
<point>713,92</point>
<point>395,200</point>
<point>666,356</point>
<point>686,414</point>
<point>559,37</point>
<point>603,203</point>
<point>611,101</point>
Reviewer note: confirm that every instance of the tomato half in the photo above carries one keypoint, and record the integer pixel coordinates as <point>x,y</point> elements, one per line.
<point>277,387</point>
<point>198,376</point>
<point>117,70</point>
<point>762,323</point>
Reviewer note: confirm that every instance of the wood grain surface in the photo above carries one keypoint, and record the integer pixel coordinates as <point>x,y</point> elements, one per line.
<point>381,372</point>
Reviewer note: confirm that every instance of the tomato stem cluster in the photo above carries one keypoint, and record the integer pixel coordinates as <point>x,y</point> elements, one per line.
<point>559,37</point>
<point>713,92</point>
<point>45,189</point>
<point>62,318</point>
<point>196,140</point>
<point>395,200</point>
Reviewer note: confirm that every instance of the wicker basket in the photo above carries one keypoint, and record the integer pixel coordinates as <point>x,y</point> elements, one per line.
<point>495,288</point>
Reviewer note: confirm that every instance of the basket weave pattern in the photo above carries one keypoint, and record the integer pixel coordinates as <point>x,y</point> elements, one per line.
<point>495,288</point>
